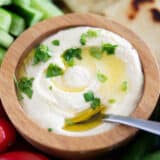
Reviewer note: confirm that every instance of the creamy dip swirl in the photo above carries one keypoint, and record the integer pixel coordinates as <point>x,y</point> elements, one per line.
<point>49,107</point>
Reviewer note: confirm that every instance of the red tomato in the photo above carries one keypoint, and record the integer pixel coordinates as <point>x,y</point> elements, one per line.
<point>22,155</point>
<point>7,134</point>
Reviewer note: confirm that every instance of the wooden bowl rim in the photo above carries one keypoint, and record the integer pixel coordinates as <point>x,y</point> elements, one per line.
<point>37,135</point>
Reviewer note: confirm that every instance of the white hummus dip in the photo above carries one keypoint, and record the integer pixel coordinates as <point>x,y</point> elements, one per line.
<point>116,78</point>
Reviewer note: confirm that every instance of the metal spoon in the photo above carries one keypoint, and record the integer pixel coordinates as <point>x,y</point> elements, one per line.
<point>146,125</point>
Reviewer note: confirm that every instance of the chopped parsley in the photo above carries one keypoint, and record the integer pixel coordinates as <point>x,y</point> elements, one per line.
<point>89,96</point>
<point>101,77</point>
<point>50,87</point>
<point>89,34</point>
<point>96,52</point>
<point>109,48</point>
<point>50,129</point>
<point>94,101</point>
<point>83,39</point>
<point>24,85</point>
<point>124,86</point>
<point>53,70</point>
<point>111,101</point>
<point>56,42</point>
<point>41,54</point>
<point>69,122</point>
<point>70,54</point>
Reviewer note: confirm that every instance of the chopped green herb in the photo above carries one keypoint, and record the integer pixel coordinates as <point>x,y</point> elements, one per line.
<point>50,129</point>
<point>109,48</point>
<point>41,54</point>
<point>92,33</point>
<point>50,87</point>
<point>124,86</point>
<point>95,103</point>
<point>89,34</point>
<point>101,77</point>
<point>96,52</point>
<point>54,70</point>
<point>70,54</point>
<point>25,86</point>
<point>56,42</point>
<point>69,122</point>
<point>83,39</point>
<point>111,101</point>
<point>19,94</point>
<point>89,96</point>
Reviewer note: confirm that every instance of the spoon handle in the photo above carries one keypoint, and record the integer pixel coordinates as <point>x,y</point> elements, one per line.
<point>146,125</point>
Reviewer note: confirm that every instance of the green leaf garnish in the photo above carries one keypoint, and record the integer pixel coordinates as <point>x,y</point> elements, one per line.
<point>83,39</point>
<point>89,96</point>
<point>69,122</point>
<point>56,42</point>
<point>96,52</point>
<point>124,86</point>
<point>41,54</point>
<point>50,129</point>
<point>109,48</point>
<point>70,54</point>
<point>50,87</point>
<point>53,70</point>
<point>89,34</point>
<point>111,101</point>
<point>95,103</point>
<point>101,77</point>
<point>25,86</point>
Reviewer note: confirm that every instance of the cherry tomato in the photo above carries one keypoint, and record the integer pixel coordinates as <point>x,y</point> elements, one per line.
<point>7,134</point>
<point>22,155</point>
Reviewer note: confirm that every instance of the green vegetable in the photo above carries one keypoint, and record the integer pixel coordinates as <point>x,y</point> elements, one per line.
<point>96,52</point>
<point>2,53</point>
<point>53,70</point>
<point>109,48</point>
<point>25,86</point>
<point>101,77</point>
<point>89,96</point>
<point>5,20</point>
<point>31,15</point>
<point>41,54</point>
<point>70,54</point>
<point>152,156</point>
<point>5,2</point>
<point>5,39</point>
<point>111,101</point>
<point>56,42</point>
<point>95,103</point>
<point>124,86</point>
<point>46,7</point>
<point>83,39</point>
<point>50,87</point>
<point>22,2</point>
<point>50,129</point>
<point>89,34</point>
<point>17,25</point>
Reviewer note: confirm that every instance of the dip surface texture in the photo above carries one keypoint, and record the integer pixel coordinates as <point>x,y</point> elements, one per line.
<point>108,67</point>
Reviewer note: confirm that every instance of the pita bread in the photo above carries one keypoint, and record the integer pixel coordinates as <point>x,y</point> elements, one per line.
<point>97,6</point>
<point>141,21</point>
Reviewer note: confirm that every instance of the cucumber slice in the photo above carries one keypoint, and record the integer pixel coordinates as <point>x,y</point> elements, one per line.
<point>17,25</point>
<point>5,2</point>
<point>5,39</point>
<point>2,53</point>
<point>5,19</point>
<point>31,15</point>
<point>22,2</point>
<point>46,7</point>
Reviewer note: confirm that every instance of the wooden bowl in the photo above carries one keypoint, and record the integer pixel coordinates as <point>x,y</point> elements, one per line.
<point>65,146</point>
